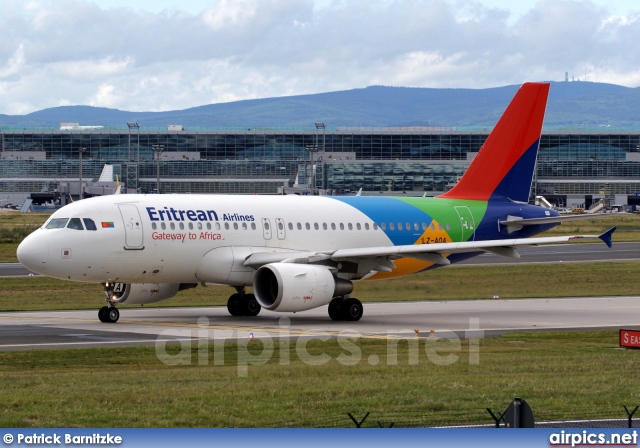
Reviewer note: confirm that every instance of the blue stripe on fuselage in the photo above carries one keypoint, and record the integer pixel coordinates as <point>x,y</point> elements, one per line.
<point>389,210</point>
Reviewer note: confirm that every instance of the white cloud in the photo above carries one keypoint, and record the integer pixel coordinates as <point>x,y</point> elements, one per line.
<point>15,63</point>
<point>74,52</point>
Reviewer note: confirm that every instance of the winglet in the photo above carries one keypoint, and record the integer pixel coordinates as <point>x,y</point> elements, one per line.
<point>606,236</point>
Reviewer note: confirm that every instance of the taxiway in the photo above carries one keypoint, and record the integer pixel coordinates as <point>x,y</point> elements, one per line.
<point>467,318</point>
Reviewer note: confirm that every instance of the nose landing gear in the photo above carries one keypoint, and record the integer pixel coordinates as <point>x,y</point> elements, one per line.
<point>110,314</point>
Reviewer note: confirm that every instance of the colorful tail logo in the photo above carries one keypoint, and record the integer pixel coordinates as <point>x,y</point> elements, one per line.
<point>503,168</point>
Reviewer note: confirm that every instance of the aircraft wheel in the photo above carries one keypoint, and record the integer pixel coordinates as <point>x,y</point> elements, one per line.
<point>112,315</point>
<point>335,309</point>
<point>234,305</point>
<point>250,306</point>
<point>352,309</point>
<point>102,313</point>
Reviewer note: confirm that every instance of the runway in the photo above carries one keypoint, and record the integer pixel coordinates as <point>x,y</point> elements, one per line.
<point>472,319</point>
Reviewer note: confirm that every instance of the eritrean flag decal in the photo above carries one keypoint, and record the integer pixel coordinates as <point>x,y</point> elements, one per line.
<point>107,225</point>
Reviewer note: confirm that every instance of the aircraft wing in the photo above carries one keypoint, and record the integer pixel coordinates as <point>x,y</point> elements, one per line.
<point>433,253</point>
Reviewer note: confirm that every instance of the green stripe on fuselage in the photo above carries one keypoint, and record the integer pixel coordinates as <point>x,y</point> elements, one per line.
<point>452,212</point>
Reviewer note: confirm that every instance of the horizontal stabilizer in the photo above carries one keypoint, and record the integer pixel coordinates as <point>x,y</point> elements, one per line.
<point>519,223</point>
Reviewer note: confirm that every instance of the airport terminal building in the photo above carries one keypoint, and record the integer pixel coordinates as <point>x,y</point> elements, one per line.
<point>575,166</point>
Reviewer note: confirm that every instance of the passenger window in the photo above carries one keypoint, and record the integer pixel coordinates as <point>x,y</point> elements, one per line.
<point>341,226</point>
<point>375,226</point>
<point>208,226</point>
<point>181,226</point>
<point>217,226</point>
<point>391,226</point>
<point>383,226</point>
<point>415,226</point>
<point>316,226</point>
<point>190,226</point>
<point>399,226</point>
<point>366,226</point>
<point>333,226</point>
<point>253,225</point>
<point>226,226</point>
<point>448,226</point>
<point>324,226</point>
<point>280,226</point>
<point>290,225</point>
<point>154,226</point>
<point>235,226</point>
<point>350,226</point>
<point>424,226</point>
<point>358,226</point>
<point>307,226</point>
<point>75,224</point>
<point>199,226</point>
<point>299,226</point>
<point>58,223</point>
<point>408,226</point>
<point>244,226</point>
<point>173,226</point>
<point>163,226</point>
<point>432,226</point>
<point>439,226</point>
<point>266,226</point>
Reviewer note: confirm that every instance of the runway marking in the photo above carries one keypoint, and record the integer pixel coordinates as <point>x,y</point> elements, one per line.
<point>123,341</point>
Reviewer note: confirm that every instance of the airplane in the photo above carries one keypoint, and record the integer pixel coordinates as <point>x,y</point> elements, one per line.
<point>301,252</point>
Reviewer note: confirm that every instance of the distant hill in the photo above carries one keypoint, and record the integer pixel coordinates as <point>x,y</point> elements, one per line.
<point>570,104</point>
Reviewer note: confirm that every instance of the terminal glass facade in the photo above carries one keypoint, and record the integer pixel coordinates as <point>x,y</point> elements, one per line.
<point>413,161</point>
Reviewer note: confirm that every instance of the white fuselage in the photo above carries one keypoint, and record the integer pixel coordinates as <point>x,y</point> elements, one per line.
<point>165,238</point>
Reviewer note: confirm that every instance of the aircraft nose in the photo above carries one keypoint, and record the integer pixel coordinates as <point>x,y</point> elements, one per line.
<point>33,253</point>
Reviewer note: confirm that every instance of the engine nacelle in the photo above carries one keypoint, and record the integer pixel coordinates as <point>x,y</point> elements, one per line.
<point>141,293</point>
<point>296,287</point>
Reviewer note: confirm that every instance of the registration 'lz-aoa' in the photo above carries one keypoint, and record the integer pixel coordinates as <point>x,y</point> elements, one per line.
<point>300,252</point>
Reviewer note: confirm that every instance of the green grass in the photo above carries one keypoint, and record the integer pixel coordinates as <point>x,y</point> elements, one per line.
<point>14,227</point>
<point>562,375</point>
<point>628,227</point>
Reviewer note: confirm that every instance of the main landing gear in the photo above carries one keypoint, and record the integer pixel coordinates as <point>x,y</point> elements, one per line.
<point>345,308</point>
<point>241,304</point>
<point>109,314</point>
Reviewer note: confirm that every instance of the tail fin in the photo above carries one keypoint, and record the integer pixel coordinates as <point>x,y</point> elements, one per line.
<point>503,168</point>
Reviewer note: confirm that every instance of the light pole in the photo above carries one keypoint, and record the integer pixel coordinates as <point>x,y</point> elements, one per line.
<point>136,126</point>
<point>80,195</point>
<point>321,126</point>
<point>158,149</point>
<point>313,149</point>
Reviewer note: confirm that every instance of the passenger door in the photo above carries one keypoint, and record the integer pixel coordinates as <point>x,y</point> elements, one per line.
<point>133,235</point>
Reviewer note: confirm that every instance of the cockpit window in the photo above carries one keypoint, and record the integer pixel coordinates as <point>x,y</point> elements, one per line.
<point>75,223</point>
<point>58,223</point>
<point>89,224</point>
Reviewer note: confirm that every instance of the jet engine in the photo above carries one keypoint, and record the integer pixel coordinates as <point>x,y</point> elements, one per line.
<point>141,293</point>
<point>296,287</point>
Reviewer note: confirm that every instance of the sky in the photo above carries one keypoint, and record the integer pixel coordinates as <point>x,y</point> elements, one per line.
<point>158,55</point>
